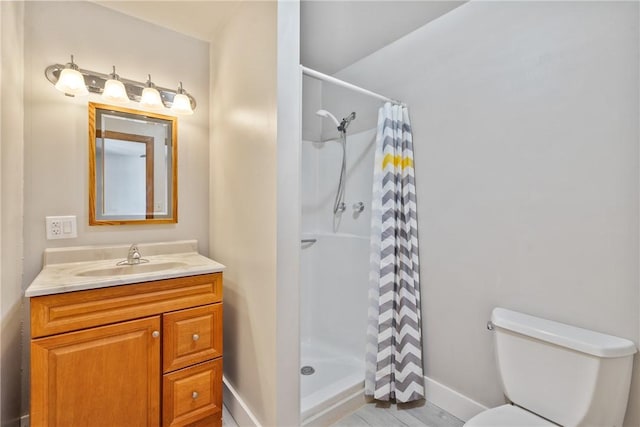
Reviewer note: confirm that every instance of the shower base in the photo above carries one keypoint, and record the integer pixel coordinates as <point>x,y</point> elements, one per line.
<point>337,379</point>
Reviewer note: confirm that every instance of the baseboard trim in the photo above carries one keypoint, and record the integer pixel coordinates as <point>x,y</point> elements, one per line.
<point>457,404</point>
<point>237,407</point>
<point>338,410</point>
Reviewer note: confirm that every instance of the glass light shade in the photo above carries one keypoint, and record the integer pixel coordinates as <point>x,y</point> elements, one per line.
<point>71,82</point>
<point>114,91</point>
<point>151,98</point>
<point>182,105</point>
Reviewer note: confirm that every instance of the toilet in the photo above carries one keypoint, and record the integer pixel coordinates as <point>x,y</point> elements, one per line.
<point>556,374</point>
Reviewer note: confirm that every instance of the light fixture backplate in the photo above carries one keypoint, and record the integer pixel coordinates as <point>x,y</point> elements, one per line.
<point>95,83</point>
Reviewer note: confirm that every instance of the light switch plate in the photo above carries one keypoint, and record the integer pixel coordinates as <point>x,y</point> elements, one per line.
<point>61,227</point>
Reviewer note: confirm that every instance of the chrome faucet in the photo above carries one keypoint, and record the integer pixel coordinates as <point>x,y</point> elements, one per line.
<point>133,257</point>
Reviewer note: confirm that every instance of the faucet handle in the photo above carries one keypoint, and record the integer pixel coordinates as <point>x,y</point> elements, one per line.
<point>133,257</point>
<point>358,207</point>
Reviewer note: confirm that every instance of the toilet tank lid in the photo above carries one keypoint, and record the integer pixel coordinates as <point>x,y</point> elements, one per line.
<point>583,340</point>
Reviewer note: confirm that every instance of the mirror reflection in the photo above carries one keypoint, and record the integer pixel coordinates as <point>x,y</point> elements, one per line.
<point>132,166</point>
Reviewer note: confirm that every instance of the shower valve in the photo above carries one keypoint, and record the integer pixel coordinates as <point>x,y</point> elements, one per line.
<point>358,207</point>
<point>341,207</point>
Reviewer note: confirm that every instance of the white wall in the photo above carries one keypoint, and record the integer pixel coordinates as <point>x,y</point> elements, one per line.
<point>525,118</point>
<point>289,94</point>
<point>254,202</point>
<point>243,231</point>
<point>56,130</point>
<point>11,207</point>
<point>56,146</point>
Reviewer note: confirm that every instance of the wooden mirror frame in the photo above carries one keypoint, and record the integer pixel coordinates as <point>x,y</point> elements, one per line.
<point>173,176</point>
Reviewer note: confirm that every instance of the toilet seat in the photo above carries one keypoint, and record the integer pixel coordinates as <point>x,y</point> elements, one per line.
<point>508,416</point>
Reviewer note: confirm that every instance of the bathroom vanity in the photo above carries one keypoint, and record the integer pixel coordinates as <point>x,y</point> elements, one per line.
<point>140,348</point>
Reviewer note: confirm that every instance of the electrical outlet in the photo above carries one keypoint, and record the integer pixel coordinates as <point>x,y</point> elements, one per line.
<point>61,227</point>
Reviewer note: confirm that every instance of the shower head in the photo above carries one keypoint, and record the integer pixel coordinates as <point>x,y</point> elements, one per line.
<point>326,114</point>
<point>342,127</point>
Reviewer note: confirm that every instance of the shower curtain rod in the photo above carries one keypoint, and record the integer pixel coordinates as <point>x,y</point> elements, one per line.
<point>321,76</point>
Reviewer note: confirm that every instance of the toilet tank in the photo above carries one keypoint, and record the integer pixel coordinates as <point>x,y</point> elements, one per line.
<point>569,375</point>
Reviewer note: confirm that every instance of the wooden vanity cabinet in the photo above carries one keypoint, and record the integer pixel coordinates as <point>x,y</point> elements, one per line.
<point>146,354</point>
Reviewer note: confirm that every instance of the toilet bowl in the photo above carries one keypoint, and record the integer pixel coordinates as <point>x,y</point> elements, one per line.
<point>557,374</point>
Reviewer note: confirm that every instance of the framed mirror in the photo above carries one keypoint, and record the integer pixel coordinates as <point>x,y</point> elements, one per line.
<point>132,166</point>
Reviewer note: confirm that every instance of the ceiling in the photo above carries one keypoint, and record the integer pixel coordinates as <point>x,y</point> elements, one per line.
<point>334,33</point>
<point>199,19</point>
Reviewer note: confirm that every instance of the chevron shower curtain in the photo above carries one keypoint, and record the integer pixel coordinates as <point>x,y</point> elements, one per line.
<point>394,340</point>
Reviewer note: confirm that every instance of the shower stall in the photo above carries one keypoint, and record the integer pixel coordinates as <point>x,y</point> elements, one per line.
<point>337,173</point>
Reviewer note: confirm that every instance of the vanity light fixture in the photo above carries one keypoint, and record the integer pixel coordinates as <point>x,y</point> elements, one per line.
<point>181,104</point>
<point>114,89</point>
<point>151,97</point>
<point>74,81</point>
<point>71,81</point>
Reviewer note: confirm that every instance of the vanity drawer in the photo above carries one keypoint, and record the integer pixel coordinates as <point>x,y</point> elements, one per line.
<point>193,395</point>
<point>192,336</point>
<point>58,313</point>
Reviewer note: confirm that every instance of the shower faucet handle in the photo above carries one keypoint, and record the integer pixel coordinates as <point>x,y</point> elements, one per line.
<point>341,207</point>
<point>358,207</point>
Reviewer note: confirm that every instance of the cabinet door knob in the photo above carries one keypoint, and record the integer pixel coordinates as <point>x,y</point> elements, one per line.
<point>195,337</point>
<point>194,395</point>
<point>155,334</point>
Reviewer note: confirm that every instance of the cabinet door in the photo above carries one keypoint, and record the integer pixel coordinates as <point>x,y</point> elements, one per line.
<point>106,376</point>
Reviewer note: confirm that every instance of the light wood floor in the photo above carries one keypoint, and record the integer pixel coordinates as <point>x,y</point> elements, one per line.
<point>381,415</point>
<point>227,419</point>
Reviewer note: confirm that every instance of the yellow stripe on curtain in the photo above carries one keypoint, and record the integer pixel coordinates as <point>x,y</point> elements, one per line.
<point>396,161</point>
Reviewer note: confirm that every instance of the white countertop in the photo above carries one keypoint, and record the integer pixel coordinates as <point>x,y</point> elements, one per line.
<point>63,267</point>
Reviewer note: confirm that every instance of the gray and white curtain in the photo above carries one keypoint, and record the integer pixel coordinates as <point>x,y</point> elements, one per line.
<point>394,341</point>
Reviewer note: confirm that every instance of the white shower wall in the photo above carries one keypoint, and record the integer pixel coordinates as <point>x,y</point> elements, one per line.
<point>321,164</point>
<point>335,293</point>
<point>334,270</point>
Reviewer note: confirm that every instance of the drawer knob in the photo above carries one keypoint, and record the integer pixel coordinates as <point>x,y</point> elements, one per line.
<point>195,337</point>
<point>194,395</point>
<point>155,334</point>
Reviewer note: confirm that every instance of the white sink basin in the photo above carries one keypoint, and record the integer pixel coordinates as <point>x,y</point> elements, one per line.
<point>80,268</point>
<point>122,270</point>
